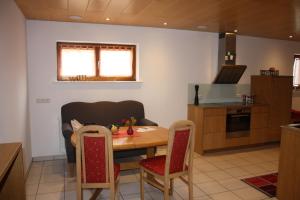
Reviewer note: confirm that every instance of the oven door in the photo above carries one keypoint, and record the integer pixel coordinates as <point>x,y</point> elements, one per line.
<point>238,125</point>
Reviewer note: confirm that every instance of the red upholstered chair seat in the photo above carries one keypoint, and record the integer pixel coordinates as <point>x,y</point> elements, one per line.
<point>155,164</point>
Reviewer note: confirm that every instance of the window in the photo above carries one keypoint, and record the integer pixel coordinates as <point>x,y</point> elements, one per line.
<point>95,62</point>
<point>296,71</point>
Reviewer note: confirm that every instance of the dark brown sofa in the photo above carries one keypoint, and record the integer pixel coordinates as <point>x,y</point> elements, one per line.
<point>102,113</point>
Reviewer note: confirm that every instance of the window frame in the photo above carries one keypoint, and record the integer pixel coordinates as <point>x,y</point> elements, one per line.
<point>296,56</point>
<point>97,47</point>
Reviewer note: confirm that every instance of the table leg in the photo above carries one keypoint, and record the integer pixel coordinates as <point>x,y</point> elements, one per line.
<point>150,154</point>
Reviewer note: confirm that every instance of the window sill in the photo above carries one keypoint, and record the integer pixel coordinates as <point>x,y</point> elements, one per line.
<point>76,82</point>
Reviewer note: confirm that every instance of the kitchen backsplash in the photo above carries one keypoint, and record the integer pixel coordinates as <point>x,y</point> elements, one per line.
<point>216,93</point>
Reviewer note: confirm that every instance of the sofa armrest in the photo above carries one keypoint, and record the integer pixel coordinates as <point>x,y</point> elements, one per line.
<point>67,130</point>
<point>147,122</point>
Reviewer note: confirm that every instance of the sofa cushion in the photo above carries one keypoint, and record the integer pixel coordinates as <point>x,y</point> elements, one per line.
<point>102,113</point>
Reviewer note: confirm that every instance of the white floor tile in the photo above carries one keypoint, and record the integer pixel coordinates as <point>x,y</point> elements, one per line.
<point>184,192</point>
<point>128,178</point>
<point>51,196</point>
<point>254,169</point>
<point>130,188</point>
<point>48,178</point>
<point>50,187</point>
<point>30,197</point>
<point>237,172</point>
<point>233,184</point>
<point>218,175</point>
<point>225,196</point>
<point>211,187</point>
<point>203,198</point>
<point>249,194</point>
<point>224,164</point>
<point>31,189</point>
<point>158,195</point>
<point>136,197</point>
<point>201,178</point>
<point>207,167</point>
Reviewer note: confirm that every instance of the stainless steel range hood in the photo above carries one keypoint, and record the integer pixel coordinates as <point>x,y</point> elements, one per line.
<point>229,72</point>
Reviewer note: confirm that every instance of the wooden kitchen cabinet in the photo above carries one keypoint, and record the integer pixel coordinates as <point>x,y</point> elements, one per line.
<point>210,126</point>
<point>210,130</point>
<point>12,182</point>
<point>275,91</point>
<point>259,124</point>
<point>289,164</point>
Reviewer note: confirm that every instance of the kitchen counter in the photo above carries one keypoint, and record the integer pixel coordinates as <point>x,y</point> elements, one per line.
<point>289,163</point>
<point>292,127</point>
<point>215,125</point>
<point>227,104</point>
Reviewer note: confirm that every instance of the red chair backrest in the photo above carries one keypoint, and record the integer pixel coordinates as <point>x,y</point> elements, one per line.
<point>180,147</point>
<point>180,144</point>
<point>94,159</point>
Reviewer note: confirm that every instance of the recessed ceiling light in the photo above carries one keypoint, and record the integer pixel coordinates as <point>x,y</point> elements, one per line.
<point>165,23</point>
<point>290,36</point>
<point>107,19</point>
<point>201,27</point>
<point>75,17</point>
<point>236,31</point>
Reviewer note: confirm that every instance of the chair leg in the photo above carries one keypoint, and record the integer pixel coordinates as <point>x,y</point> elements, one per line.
<point>96,193</point>
<point>190,185</point>
<point>166,189</point>
<point>171,186</point>
<point>117,191</point>
<point>112,194</point>
<point>79,191</point>
<point>142,183</point>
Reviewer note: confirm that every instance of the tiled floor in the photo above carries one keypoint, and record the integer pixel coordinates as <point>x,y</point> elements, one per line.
<point>216,176</point>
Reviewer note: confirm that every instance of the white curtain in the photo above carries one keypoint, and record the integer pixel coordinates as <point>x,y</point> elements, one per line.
<point>296,72</point>
<point>78,62</point>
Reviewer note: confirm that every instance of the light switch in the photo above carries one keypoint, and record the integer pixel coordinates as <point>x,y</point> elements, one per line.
<point>43,100</point>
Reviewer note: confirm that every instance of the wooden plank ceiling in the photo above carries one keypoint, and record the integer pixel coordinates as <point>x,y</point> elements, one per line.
<point>264,18</point>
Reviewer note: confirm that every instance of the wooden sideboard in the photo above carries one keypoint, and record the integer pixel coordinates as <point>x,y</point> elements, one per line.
<point>210,130</point>
<point>12,183</point>
<point>289,164</point>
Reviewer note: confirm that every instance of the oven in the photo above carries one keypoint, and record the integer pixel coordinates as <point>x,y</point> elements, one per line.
<point>238,122</point>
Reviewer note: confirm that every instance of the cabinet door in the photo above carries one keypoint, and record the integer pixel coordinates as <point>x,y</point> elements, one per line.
<point>259,120</point>
<point>214,124</point>
<point>214,141</point>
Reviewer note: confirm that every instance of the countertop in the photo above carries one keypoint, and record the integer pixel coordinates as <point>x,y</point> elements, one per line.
<point>294,127</point>
<point>227,104</point>
<point>8,152</point>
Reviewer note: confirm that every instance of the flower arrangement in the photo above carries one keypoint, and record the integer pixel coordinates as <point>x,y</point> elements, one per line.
<point>129,122</point>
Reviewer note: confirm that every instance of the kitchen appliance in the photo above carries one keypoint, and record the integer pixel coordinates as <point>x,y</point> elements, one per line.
<point>238,122</point>
<point>229,72</point>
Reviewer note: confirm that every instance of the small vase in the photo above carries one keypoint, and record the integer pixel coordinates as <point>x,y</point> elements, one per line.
<point>130,130</point>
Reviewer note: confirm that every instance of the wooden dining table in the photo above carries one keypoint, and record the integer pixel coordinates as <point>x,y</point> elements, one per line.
<point>148,137</point>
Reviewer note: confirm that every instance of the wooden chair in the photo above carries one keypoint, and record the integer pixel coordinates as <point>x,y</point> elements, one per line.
<point>94,161</point>
<point>178,161</point>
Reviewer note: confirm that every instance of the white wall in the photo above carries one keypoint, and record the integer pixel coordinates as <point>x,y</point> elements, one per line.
<point>14,118</point>
<point>168,61</point>
<point>262,53</point>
